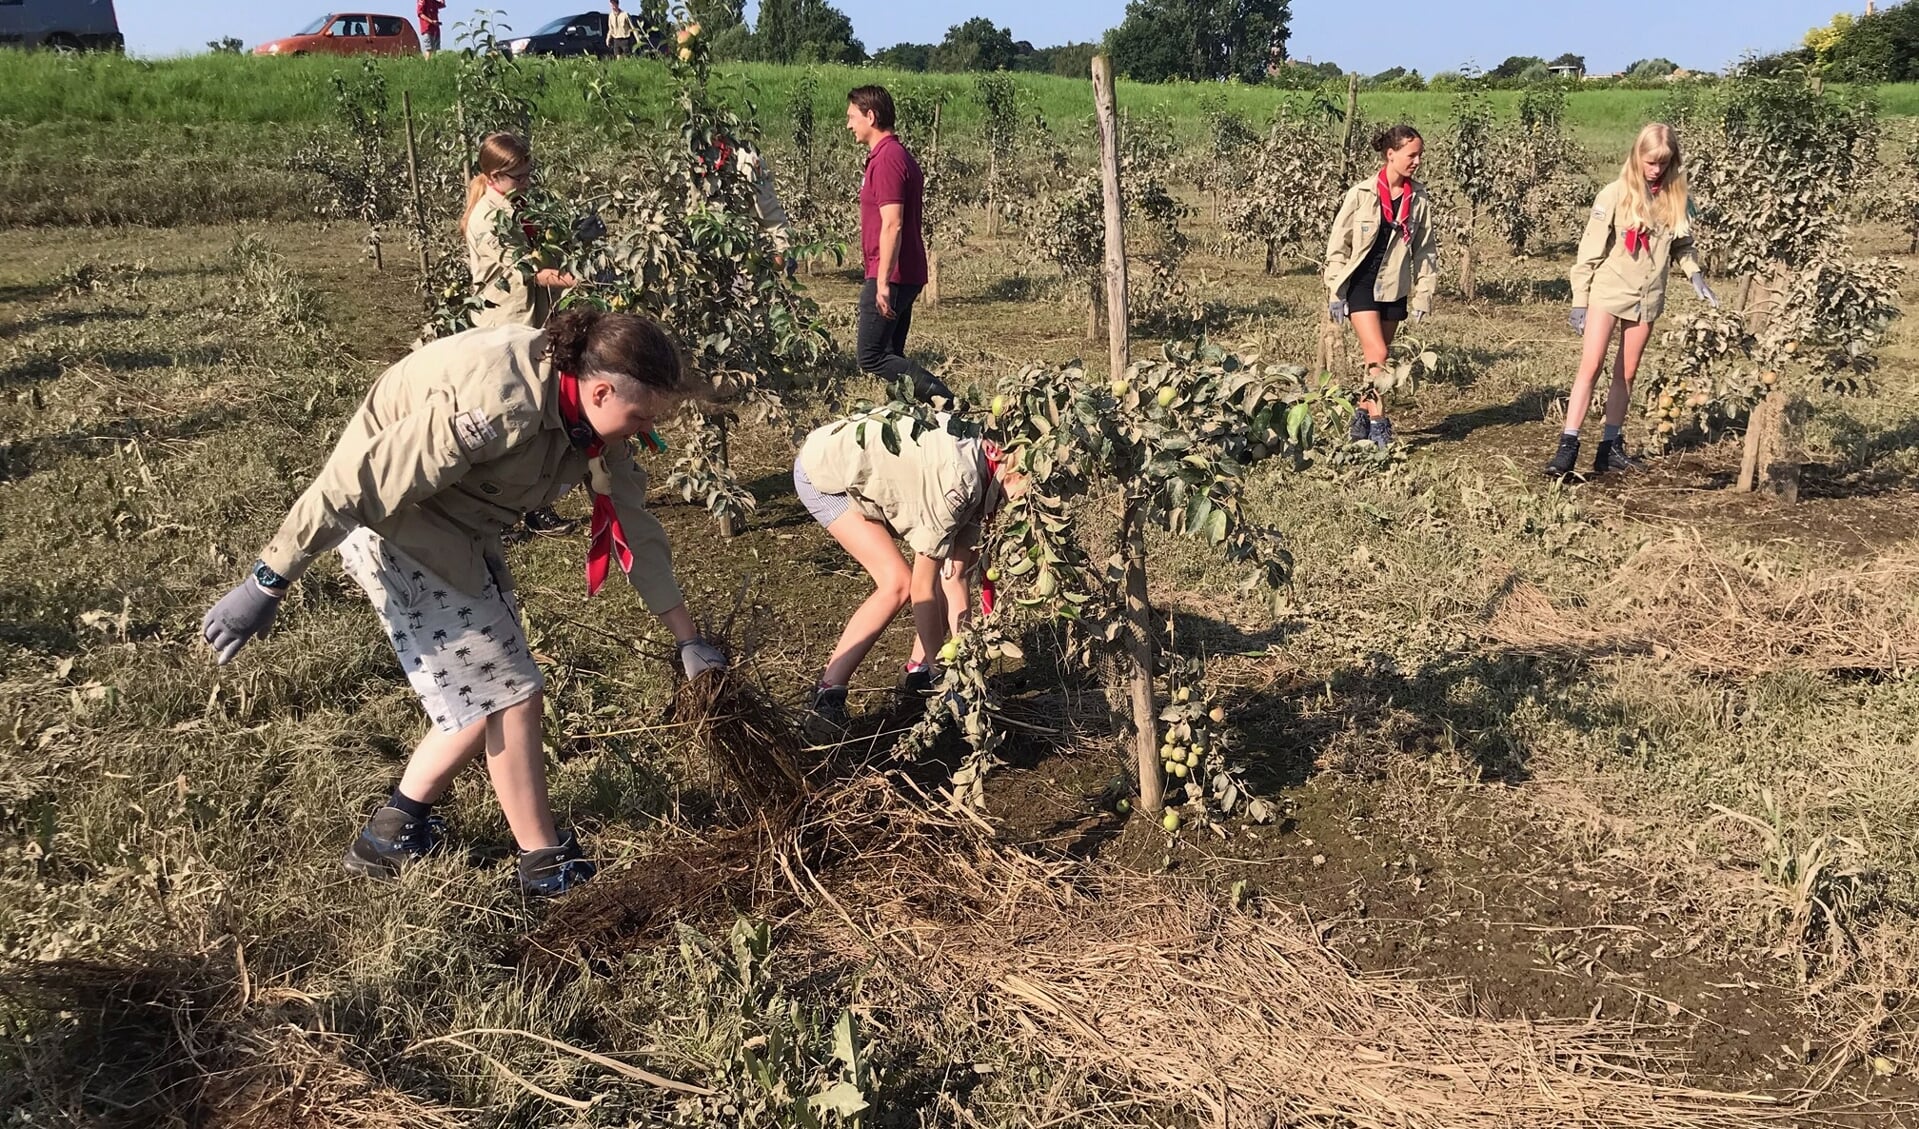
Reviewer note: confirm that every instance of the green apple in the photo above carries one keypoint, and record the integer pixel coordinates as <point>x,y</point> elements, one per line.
<point>1166,397</point>
<point>1170,821</point>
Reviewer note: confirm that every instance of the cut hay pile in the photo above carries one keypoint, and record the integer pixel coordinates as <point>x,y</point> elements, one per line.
<point>1682,600</point>
<point>186,1040</point>
<point>1164,1000</point>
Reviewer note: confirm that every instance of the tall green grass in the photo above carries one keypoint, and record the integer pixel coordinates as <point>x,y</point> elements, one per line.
<point>195,90</point>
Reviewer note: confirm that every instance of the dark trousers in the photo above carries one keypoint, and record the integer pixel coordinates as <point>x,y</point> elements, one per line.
<point>882,341</point>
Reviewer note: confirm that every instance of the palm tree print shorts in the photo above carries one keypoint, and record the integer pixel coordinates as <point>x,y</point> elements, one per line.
<point>464,653</point>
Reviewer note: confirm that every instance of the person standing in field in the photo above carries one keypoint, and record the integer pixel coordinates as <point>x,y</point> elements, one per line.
<point>1382,262</point>
<point>429,13</point>
<point>498,247</point>
<point>449,447</point>
<point>1640,224</point>
<point>892,199</point>
<point>619,31</point>
<point>936,494</point>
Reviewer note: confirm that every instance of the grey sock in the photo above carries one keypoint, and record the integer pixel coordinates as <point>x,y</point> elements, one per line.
<point>1612,431</point>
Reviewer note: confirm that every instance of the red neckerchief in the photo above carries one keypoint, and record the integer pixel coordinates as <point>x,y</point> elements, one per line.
<point>988,591</point>
<point>1404,220</point>
<point>1641,235</point>
<point>605,538</point>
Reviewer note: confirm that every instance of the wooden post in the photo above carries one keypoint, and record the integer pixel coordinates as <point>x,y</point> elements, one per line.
<point>1772,428</point>
<point>466,143</point>
<point>931,295</point>
<point>413,183</point>
<point>1140,658</point>
<point>1331,333</point>
<point>1116,320</point>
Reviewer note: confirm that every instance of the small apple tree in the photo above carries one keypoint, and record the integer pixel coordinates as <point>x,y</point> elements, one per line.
<point>1168,445</point>
<point>1773,163</point>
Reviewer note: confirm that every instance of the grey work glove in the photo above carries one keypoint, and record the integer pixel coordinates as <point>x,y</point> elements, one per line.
<point>243,614</point>
<point>697,656</point>
<point>1336,309</point>
<point>1700,288</point>
<point>1577,319</point>
<point>588,228</point>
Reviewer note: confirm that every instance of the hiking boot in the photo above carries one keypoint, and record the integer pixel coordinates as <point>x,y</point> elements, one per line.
<point>1565,458</point>
<point>1361,430</point>
<point>1612,456</point>
<point>826,722</point>
<point>917,684</point>
<point>547,522</point>
<point>549,871</point>
<point>930,389</point>
<point>390,842</point>
<point>1380,432</point>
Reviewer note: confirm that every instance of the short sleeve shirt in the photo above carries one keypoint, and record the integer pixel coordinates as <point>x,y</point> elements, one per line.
<point>893,177</point>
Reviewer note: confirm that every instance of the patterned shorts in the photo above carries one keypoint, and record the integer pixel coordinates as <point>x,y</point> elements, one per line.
<point>825,508</point>
<point>465,655</point>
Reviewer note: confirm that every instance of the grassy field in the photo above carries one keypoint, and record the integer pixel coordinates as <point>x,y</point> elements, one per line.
<point>1596,800</point>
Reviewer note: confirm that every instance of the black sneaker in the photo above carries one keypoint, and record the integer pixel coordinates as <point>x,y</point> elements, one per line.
<point>550,871</point>
<point>390,842</point>
<point>829,706</point>
<point>1380,432</point>
<point>1361,430</point>
<point>1612,456</point>
<point>1565,458</point>
<point>547,522</point>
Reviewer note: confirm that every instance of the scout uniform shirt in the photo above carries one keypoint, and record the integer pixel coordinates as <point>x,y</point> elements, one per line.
<point>1624,284</point>
<point>449,448</point>
<point>619,25</point>
<point>507,297</point>
<point>1408,271</point>
<point>927,494</point>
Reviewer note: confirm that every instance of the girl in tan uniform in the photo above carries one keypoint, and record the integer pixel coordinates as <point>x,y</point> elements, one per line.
<point>450,447</point>
<point>936,494</point>
<point>1639,225</point>
<point>1382,262</point>
<point>496,245</point>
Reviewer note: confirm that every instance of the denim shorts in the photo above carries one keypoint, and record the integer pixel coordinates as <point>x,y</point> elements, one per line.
<point>825,508</point>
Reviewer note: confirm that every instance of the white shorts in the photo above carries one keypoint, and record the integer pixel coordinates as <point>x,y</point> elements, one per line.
<point>465,655</point>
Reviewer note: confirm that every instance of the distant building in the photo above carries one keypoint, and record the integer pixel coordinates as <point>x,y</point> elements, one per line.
<point>1568,70</point>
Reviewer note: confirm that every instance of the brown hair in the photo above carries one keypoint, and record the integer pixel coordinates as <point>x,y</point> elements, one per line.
<point>499,152</point>
<point>876,101</point>
<point>1391,138</point>
<point>589,342</point>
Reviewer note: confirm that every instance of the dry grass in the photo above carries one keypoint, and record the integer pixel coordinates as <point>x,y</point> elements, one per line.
<point>1715,613</point>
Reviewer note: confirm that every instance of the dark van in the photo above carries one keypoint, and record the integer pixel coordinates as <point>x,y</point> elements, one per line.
<point>71,25</point>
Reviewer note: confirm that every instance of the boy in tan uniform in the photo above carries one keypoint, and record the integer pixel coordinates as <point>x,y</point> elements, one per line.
<point>1640,225</point>
<point>450,447</point>
<point>936,494</point>
<point>619,31</point>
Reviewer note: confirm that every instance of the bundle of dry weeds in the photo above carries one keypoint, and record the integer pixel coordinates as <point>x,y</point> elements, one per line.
<point>746,736</point>
<point>1716,615</point>
<point>186,1040</point>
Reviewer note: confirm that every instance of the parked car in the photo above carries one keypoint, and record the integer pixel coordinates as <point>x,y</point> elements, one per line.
<point>348,33</point>
<point>582,34</point>
<point>70,25</point>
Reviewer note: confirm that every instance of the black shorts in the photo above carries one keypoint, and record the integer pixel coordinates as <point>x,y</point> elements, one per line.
<point>1361,301</point>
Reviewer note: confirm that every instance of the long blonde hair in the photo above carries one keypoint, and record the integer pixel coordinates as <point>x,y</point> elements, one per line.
<point>499,152</point>
<point>1640,208</point>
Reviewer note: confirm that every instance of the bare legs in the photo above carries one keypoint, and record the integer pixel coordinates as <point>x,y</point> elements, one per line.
<point>1598,340</point>
<point>1375,343</point>
<point>515,759</point>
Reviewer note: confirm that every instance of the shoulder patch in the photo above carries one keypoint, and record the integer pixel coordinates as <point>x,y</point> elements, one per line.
<point>474,429</point>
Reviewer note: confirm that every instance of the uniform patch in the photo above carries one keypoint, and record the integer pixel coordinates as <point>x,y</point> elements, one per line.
<point>474,429</point>
<point>956,499</point>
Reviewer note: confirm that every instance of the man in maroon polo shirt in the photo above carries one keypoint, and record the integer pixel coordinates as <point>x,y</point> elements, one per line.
<point>892,194</point>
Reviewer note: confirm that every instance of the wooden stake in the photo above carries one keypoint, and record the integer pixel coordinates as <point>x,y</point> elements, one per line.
<point>413,182</point>
<point>1139,610</point>
<point>930,296</point>
<point>1116,320</point>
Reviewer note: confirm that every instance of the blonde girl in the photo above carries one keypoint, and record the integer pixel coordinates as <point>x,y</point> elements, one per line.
<point>1382,262</point>
<point>1639,225</point>
<point>496,246</point>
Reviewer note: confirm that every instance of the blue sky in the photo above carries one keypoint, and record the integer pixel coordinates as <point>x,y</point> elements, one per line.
<point>1362,35</point>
